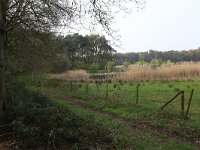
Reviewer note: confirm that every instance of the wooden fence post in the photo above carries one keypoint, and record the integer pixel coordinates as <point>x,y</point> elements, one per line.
<point>182,103</point>
<point>137,93</point>
<point>97,85</point>
<point>71,85</point>
<point>87,86</point>
<point>106,89</point>
<point>189,103</point>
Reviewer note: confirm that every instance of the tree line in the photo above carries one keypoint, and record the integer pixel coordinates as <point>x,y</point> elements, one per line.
<point>172,55</point>
<point>31,51</point>
<point>82,52</point>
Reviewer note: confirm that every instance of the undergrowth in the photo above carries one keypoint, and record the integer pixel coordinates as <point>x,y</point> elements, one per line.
<point>37,123</point>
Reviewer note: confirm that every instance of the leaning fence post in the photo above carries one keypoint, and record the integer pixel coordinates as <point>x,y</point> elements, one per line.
<point>189,104</point>
<point>137,93</point>
<point>182,103</point>
<point>170,100</point>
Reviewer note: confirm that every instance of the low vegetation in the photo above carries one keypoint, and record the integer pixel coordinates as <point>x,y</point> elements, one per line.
<point>37,122</point>
<point>140,72</point>
<point>68,110</point>
<point>116,100</point>
<point>73,75</point>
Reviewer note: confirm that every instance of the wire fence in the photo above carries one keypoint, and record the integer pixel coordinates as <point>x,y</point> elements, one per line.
<point>151,94</point>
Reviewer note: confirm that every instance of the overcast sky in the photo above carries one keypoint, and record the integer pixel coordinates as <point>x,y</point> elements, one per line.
<point>162,25</point>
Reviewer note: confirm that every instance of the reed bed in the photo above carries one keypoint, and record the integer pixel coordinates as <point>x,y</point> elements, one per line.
<point>179,71</point>
<point>168,71</point>
<point>72,75</point>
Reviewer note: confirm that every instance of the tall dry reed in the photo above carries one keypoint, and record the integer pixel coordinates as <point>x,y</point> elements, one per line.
<point>72,75</point>
<point>180,71</point>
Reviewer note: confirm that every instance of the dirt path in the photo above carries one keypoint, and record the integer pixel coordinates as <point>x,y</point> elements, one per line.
<point>135,126</point>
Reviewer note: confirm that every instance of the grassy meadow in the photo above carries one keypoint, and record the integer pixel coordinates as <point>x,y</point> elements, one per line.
<point>111,100</point>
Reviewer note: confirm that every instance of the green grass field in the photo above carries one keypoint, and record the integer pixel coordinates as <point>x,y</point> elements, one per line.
<point>118,100</point>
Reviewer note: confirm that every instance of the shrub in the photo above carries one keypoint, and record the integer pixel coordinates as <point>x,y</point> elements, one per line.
<point>77,64</point>
<point>126,64</point>
<point>93,68</point>
<point>110,65</point>
<point>61,64</point>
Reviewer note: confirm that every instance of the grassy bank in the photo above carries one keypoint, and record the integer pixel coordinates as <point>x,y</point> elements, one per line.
<point>127,138</point>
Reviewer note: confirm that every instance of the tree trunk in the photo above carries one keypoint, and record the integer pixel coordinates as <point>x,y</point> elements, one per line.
<point>3,8</point>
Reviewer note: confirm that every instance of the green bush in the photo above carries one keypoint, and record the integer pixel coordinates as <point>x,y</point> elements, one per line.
<point>77,64</point>
<point>110,66</point>
<point>126,64</point>
<point>156,63</point>
<point>93,68</point>
<point>61,64</point>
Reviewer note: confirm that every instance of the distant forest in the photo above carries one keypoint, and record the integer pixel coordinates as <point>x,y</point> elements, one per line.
<point>172,55</point>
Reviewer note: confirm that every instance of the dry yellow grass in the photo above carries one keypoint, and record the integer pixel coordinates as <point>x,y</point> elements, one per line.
<point>72,75</point>
<point>169,71</point>
<point>180,71</point>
